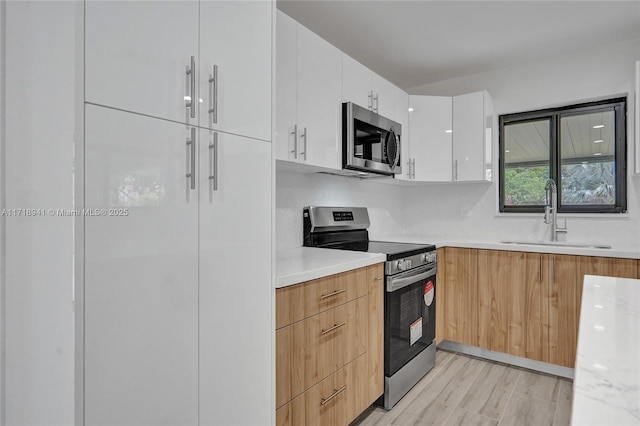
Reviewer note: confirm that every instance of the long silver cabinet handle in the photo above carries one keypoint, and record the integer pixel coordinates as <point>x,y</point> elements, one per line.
<point>191,78</point>
<point>191,144</point>
<point>333,328</point>
<point>304,135</point>
<point>295,141</point>
<point>375,98</point>
<point>455,176</point>
<point>335,393</point>
<point>213,162</point>
<point>413,168</point>
<point>213,99</point>
<point>370,98</point>
<point>335,293</point>
<point>409,168</point>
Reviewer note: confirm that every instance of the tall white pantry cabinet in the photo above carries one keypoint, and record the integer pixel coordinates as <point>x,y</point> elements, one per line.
<point>166,130</point>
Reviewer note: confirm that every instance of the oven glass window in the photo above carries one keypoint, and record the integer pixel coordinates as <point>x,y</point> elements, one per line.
<point>369,142</point>
<point>410,323</point>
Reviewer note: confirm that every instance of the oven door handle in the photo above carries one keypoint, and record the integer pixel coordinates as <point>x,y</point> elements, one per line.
<point>394,284</point>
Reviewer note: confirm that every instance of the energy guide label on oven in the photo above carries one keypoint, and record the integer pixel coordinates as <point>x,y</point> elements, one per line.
<point>415,331</point>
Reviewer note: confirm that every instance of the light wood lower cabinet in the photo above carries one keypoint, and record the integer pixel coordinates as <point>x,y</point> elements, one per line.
<point>512,303</point>
<point>460,295</point>
<point>329,348</point>
<point>523,304</point>
<point>566,274</point>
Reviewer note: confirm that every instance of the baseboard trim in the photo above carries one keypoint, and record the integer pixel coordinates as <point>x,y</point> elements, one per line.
<point>517,361</point>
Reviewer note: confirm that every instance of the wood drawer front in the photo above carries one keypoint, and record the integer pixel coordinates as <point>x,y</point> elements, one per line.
<point>300,301</point>
<point>310,350</point>
<point>335,401</point>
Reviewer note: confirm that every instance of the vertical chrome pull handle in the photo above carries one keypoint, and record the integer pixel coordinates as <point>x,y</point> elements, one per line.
<point>370,99</point>
<point>409,168</point>
<point>191,78</point>
<point>295,141</point>
<point>455,176</point>
<point>375,98</point>
<point>213,99</point>
<point>413,168</point>
<point>304,135</point>
<point>213,162</point>
<point>191,144</point>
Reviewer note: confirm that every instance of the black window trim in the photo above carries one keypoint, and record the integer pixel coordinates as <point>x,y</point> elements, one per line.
<point>618,104</point>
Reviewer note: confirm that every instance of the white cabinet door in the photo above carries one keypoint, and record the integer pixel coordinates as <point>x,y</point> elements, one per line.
<point>469,137</point>
<point>141,272</point>
<point>637,119</point>
<point>137,54</point>
<point>236,358</point>
<point>385,97</point>
<point>235,38</point>
<point>286,87</point>
<point>430,130</point>
<point>319,106</point>
<point>357,82</point>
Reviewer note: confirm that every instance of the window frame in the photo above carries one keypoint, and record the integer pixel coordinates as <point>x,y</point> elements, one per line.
<point>618,105</point>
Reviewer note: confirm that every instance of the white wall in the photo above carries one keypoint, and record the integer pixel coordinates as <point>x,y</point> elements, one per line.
<point>296,190</point>
<point>38,147</point>
<point>469,211</point>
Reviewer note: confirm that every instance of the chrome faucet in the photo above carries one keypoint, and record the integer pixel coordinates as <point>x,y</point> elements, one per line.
<point>551,209</point>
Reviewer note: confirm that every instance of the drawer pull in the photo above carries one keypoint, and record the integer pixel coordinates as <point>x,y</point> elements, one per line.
<point>333,395</point>
<point>330,329</point>
<point>378,279</point>
<point>335,293</point>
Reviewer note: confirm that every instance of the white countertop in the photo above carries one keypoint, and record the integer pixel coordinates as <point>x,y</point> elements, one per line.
<point>300,264</point>
<point>616,251</point>
<point>606,386</point>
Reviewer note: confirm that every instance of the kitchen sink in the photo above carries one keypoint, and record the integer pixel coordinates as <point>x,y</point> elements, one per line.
<point>557,244</point>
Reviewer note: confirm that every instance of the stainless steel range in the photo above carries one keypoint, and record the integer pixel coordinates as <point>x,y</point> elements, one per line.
<point>409,299</point>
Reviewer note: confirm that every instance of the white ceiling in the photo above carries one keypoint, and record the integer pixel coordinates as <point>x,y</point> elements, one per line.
<point>412,43</point>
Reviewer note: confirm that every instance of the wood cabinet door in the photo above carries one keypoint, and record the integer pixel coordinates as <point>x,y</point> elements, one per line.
<point>494,286</point>
<point>441,282</point>
<point>460,301</point>
<point>526,307</point>
<point>565,296</point>
<point>375,348</point>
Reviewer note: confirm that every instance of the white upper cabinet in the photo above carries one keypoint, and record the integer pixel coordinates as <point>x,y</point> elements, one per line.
<point>140,55</point>
<point>363,87</point>
<point>357,83</point>
<point>430,135</point>
<point>235,47</point>
<point>137,54</point>
<point>308,76</point>
<point>450,139</point>
<point>472,136</point>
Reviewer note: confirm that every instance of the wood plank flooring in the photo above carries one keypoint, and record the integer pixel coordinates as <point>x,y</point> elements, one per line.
<point>463,390</point>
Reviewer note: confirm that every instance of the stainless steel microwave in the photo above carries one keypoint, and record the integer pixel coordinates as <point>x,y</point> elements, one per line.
<point>370,142</point>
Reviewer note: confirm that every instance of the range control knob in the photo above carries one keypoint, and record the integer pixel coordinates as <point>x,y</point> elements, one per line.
<point>400,264</point>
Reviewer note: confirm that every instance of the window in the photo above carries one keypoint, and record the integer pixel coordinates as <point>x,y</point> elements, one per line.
<point>581,147</point>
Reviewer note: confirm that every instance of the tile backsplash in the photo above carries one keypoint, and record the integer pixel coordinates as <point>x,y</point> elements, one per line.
<point>460,211</point>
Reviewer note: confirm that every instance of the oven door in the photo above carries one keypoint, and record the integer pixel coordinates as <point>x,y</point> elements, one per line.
<point>410,316</point>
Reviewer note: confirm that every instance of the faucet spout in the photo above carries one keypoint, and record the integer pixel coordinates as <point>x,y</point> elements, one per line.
<point>551,209</point>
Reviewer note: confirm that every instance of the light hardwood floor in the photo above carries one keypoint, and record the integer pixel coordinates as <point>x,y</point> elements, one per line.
<point>463,390</point>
